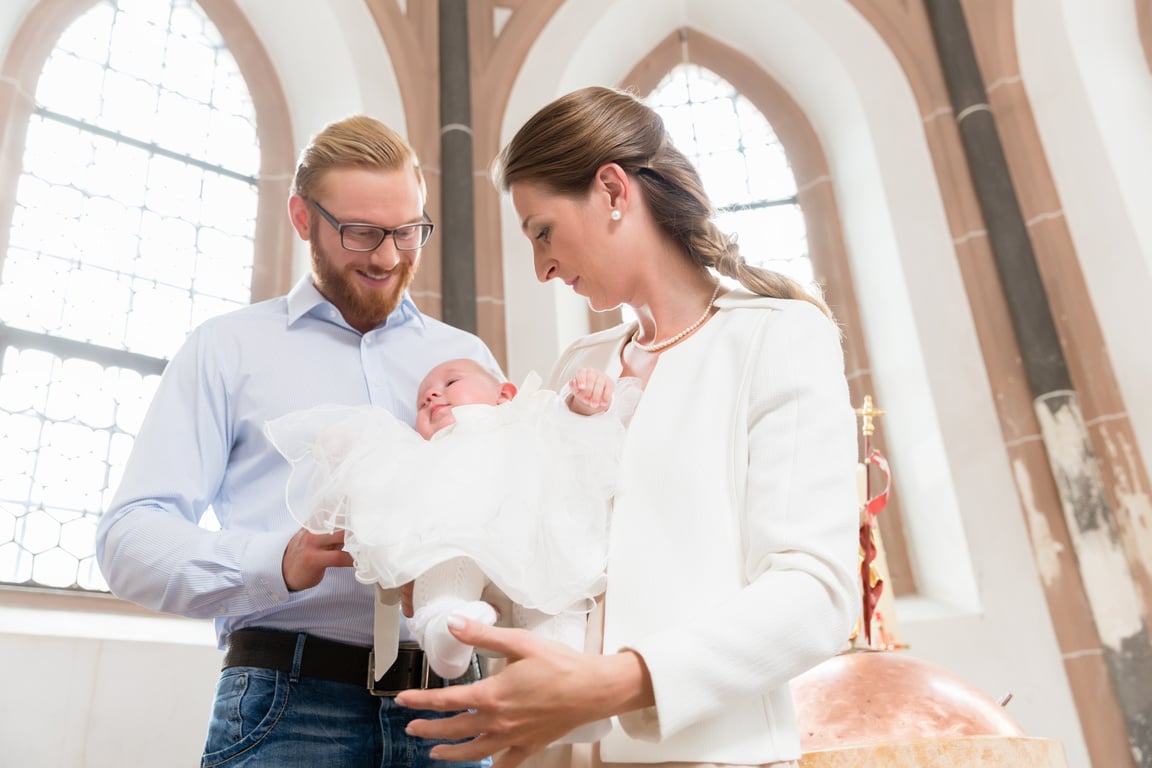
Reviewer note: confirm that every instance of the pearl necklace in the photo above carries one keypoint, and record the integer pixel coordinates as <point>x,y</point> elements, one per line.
<point>669,342</point>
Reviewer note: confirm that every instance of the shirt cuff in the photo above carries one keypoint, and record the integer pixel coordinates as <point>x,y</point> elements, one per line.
<point>263,567</point>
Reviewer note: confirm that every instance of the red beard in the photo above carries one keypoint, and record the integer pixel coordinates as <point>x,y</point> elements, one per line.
<point>362,307</point>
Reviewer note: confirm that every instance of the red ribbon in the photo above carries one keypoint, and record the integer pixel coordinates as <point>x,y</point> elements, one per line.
<point>880,500</point>
<point>872,507</point>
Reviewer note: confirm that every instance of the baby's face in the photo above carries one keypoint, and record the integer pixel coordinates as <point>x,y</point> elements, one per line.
<point>456,382</point>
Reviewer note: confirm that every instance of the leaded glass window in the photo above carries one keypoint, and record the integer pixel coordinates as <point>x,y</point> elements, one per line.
<point>134,221</point>
<point>742,164</point>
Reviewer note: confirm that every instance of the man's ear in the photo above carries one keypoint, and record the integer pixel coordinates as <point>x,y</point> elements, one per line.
<point>613,182</point>
<point>298,215</point>
<point>507,392</point>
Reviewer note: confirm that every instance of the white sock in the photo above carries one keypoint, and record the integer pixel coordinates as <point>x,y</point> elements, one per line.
<point>453,586</point>
<point>447,656</point>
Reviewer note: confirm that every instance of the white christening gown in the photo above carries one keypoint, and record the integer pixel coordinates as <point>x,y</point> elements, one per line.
<point>522,488</point>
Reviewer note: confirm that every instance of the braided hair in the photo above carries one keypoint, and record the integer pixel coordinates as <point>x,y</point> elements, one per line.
<point>561,147</point>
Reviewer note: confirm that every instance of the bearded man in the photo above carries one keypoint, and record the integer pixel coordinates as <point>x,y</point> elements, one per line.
<point>296,626</point>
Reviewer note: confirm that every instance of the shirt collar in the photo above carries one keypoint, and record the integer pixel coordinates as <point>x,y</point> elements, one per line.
<point>305,299</point>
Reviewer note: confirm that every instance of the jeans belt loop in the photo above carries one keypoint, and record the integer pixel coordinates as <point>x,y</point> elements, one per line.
<point>297,658</point>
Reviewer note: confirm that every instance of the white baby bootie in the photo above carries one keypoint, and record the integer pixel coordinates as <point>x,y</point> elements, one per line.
<point>447,656</point>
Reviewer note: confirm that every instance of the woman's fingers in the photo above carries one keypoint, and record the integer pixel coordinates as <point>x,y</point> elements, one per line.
<point>465,725</point>
<point>545,690</point>
<point>507,642</point>
<point>453,698</point>
<point>470,751</point>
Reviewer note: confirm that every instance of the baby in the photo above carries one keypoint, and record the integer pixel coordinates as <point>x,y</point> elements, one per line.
<point>454,586</point>
<point>496,488</point>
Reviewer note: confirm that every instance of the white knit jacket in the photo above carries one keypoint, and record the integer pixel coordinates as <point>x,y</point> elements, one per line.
<point>733,548</point>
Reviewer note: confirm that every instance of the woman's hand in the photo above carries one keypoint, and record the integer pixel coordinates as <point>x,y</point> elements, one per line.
<point>546,690</point>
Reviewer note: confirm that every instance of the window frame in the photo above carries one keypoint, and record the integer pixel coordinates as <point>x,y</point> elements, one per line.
<point>827,248</point>
<point>32,44</point>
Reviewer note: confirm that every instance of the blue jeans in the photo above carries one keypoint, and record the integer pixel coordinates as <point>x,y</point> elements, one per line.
<point>264,718</point>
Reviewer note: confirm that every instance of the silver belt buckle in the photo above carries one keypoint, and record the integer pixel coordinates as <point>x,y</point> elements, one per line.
<point>425,674</point>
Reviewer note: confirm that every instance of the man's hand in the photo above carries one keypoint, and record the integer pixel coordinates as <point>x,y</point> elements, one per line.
<point>309,554</point>
<point>406,606</point>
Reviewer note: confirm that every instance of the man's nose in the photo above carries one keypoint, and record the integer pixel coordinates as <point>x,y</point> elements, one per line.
<point>386,254</point>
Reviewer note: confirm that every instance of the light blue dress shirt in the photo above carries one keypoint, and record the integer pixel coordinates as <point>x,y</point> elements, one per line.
<point>202,444</point>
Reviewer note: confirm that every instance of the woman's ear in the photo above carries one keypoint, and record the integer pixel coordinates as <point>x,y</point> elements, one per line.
<point>507,392</point>
<point>298,215</point>
<point>613,182</point>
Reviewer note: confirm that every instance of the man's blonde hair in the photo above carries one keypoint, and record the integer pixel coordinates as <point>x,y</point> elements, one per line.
<point>354,142</point>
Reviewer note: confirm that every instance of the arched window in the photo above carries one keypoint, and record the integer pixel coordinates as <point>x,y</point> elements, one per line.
<point>134,220</point>
<point>742,164</point>
<point>748,176</point>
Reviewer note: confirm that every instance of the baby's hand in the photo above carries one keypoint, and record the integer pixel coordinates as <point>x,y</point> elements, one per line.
<point>591,391</point>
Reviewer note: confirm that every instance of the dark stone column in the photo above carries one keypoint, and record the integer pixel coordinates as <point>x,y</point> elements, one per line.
<point>458,239</point>
<point>1108,582</point>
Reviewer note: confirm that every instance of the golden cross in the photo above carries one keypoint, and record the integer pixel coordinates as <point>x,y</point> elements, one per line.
<point>867,413</point>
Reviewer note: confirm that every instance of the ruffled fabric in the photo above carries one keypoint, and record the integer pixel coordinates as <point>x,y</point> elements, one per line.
<point>523,488</point>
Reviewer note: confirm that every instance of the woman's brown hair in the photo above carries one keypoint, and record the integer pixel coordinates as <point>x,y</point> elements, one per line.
<point>562,146</point>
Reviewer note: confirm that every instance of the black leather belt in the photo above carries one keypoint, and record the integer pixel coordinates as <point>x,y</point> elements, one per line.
<point>338,662</point>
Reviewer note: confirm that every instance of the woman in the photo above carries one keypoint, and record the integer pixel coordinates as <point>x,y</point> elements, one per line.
<point>734,531</point>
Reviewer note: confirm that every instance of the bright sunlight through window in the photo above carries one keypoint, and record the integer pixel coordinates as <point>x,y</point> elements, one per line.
<point>742,164</point>
<point>133,222</point>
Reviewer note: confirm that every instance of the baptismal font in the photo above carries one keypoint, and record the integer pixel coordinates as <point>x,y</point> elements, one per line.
<point>877,704</point>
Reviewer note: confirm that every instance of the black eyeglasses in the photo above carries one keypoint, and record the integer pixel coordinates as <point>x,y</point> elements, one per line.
<point>367,237</point>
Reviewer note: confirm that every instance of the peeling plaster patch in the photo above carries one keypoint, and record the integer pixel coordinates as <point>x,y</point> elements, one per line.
<point>1133,500</point>
<point>1073,463</point>
<point>1139,509</point>
<point>1103,566</point>
<point>1044,546</point>
<point>1115,605</point>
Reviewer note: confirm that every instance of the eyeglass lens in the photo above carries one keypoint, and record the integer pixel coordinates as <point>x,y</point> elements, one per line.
<point>409,237</point>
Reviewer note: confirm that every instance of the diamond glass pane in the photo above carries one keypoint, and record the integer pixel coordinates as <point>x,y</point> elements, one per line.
<point>65,429</point>
<point>133,222</point>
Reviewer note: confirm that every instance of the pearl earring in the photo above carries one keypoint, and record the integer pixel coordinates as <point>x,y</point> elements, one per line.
<point>616,215</point>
